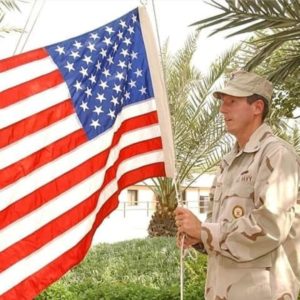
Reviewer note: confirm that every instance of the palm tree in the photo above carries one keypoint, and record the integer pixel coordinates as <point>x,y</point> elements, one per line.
<point>5,6</point>
<point>277,24</point>
<point>199,136</point>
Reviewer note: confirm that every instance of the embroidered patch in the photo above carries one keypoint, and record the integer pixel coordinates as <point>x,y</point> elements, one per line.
<point>237,212</point>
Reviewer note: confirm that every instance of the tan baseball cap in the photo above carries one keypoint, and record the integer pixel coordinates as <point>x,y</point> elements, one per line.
<point>244,84</point>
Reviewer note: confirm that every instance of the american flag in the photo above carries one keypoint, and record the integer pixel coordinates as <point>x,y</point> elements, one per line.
<point>80,120</point>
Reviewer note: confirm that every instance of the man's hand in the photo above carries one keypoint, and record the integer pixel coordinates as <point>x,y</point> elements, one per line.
<point>188,224</point>
<point>187,242</point>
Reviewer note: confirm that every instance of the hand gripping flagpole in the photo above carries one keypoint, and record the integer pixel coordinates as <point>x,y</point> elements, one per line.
<point>176,181</point>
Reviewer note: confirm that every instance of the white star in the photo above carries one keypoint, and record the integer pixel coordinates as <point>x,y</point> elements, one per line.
<point>131,30</point>
<point>121,64</point>
<point>124,52</point>
<point>107,41</point>
<point>69,66</point>
<point>123,24</point>
<point>110,60</point>
<point>120,35</point>
<point>117,88</point>
<point>94,36</point>
<point>77,85</point>
<point>127,41</point>
<point>60,50</point>
<point>77,45</point>
<point>74,54</point>
<point>87,59</point>
<point>129,66</point>
<point>92,79</point>
<point>127,95</point>
<point>120,75</point>
<point>100,97</point>
<point>91,47</point>
<point>105,72</point>
<point>133,54</point>
<point>103,52</point>
<point>95,123</point>
<point>98,65</point>
<point>84,106</point>
<point>114,100</point>
<point>98,110</point>
<point>109,29</point>
<point>138,72</point>
<point>142,90</point>
<point>84,71</point>
<point>132,83</point>
<point>111,114</point>
<point>103,84</point>
<point>115,47</point>
<point>88,92</point>
<point>134,18</point>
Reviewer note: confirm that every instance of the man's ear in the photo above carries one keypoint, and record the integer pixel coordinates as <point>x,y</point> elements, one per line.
<point>258,106</point>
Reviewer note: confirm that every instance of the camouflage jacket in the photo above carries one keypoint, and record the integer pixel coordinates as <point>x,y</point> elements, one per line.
<point>252,234</point>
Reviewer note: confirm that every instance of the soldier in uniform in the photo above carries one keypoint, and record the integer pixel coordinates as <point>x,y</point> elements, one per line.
<point>252,232</point>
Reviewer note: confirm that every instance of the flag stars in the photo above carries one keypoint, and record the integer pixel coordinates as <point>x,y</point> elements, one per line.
<point>87,59</point>
<point>60,50</point>
<point>107,41</point>
<point>110,60</point>
<point>84,71</point>
<point>132,83</point>
<point>115,47</point>
<point>70,66</point>
<point>77,45</point>
<point>120,35</point>
<point>106,72</point>
<point>95,123</point>
<point>109,30</point>
<point>123,24</point>
<point>84,106</point>
<point>98,110</point>
<point>121,64</point>
<point>94,36</point>
<point>134,18</point>
<point>117,88</point>
<point>143,90</point>
<point>131,30</point>
<point>127,95</point>
<point>74,54</point>
<point>138,72</point>
<point>134,55</point>
<point>92,78</point>
<point>114,101</point>
<point>112,114</point>
<point>124,52</point>
<point>100,97</point>
<point>120,76</point>
<point>78,86</point>
<point>88,92</point>
<point>127,41</point>
<point>103,84</point>
<point>103,52</point>
<point>91,47</point>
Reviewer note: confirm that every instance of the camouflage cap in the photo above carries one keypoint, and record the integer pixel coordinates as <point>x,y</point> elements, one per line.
<point>244,84</point>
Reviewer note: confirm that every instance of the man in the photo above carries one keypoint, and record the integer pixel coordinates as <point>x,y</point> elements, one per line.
<point>252,233</point>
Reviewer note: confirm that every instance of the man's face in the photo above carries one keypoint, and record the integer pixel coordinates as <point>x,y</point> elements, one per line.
<point>238,114</point>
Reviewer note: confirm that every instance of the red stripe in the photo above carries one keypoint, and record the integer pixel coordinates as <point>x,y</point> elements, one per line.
<point>30,88</point>
<point>62,223</point>
<point>25,166</point>
<point>38,281</point>
<point>36,122</point>
<point>36,160</point>
<point>21,59</point>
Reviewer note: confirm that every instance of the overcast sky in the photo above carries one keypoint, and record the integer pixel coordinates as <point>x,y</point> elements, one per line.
<point>62,19</point>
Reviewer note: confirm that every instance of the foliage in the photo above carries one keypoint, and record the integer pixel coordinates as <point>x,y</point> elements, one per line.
<point>7,6</point>
<point>138,269</point>
<point>199,136</point>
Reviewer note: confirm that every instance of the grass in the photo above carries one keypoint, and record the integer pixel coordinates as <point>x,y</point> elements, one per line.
<point>139,269</point>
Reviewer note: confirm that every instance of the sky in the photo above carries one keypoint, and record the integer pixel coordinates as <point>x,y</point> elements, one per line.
<point>56,20</point>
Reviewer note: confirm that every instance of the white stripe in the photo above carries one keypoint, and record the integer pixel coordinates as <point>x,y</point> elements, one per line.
<point>51,251</point>
<point>26,72</point>
<point>69,199</point>
<point>32,105</point>
<point>38,140</point>
<point>49,172</point>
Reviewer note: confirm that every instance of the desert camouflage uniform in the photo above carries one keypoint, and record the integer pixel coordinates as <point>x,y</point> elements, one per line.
<point>252,234</point>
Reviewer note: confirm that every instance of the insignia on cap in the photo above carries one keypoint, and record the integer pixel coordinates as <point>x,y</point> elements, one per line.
<point>237,212</point>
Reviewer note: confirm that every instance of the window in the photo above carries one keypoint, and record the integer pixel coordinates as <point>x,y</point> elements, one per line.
<point>203,203</point>
<point>132,197</point>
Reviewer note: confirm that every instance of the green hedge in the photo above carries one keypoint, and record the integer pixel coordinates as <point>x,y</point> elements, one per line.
<point>145,269</point>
